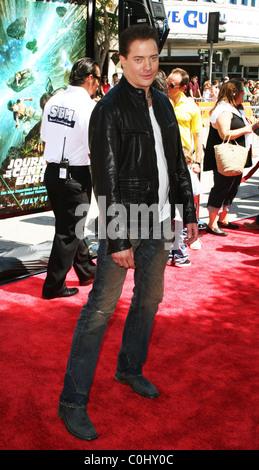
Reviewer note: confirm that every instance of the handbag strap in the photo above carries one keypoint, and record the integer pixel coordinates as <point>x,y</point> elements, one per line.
<point>229,140</point>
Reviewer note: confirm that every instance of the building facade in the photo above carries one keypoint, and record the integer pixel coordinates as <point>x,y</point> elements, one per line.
<point>187,47</point>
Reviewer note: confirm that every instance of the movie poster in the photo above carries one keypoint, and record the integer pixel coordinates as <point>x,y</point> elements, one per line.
<point>39,42</point>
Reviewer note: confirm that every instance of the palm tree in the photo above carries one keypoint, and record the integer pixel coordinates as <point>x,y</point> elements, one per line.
<point>106,29</point>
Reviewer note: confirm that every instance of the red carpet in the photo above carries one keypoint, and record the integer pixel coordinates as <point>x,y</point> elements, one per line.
<point>203,357</point>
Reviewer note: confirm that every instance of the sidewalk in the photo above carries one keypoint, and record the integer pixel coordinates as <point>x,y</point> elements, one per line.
<point>34,229</point>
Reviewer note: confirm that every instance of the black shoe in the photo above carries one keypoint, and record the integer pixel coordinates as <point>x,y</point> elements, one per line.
<point>77,422</point>
<point>230,225</point>
<point>139,385</point>
<point>65,293</point>
<point>252,225</point>
<point>216,231</point>
<point>87,281</point>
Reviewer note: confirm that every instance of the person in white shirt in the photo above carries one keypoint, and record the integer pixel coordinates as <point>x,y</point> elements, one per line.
<point>206,91</point>
<point>64,132</point>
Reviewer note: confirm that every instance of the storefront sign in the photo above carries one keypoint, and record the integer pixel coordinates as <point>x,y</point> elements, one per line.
<point>188,22</point>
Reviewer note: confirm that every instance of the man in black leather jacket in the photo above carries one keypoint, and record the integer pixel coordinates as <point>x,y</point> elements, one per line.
<point>137,161</point>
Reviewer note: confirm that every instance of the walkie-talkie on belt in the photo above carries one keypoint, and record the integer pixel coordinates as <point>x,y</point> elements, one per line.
<point>64,165</point>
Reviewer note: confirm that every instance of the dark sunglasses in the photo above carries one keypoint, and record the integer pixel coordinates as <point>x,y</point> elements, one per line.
<point>97,77</point>
<point>173,86</point>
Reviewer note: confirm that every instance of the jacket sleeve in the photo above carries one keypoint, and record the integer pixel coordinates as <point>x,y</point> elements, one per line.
<point>104,142</point>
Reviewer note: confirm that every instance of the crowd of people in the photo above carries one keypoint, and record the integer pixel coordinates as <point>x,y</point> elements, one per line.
<point>209,90</point>
<point>227,120</point>
<point>143,142</point>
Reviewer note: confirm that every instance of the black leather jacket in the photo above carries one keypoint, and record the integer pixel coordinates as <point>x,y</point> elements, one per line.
<point>123,158</point>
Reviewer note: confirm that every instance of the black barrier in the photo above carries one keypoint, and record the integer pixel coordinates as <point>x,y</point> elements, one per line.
<point>29,260</point>
<point>24,261</point>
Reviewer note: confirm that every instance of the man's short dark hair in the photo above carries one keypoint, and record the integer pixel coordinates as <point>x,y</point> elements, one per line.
<point>81,69</point>
<point>185,77</point>
<point>141,32</point>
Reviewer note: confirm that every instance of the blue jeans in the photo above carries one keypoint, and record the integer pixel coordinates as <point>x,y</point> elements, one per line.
<point>180,251</point>
<point>150,261</point>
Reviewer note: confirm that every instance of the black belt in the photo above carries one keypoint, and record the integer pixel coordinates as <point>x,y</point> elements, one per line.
<point>70,166</point>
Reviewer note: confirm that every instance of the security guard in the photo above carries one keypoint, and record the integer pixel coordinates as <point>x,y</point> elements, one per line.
<point>67,178</point>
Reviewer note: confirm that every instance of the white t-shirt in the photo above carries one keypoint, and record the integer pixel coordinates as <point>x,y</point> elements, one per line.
<point>67,115</point>
<point>163,190</point>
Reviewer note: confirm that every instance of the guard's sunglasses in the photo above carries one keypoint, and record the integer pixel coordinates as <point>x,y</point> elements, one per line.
<point>97,77</point>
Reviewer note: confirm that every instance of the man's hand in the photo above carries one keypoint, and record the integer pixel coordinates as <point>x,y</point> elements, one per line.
<point>124,258</point>
<point>192,233</point>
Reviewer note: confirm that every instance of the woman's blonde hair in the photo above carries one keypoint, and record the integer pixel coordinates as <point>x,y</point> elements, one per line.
<point>188,154</point>
<point>206,84</point>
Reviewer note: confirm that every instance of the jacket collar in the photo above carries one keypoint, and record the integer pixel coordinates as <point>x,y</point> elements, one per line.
<point>136,91</point>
